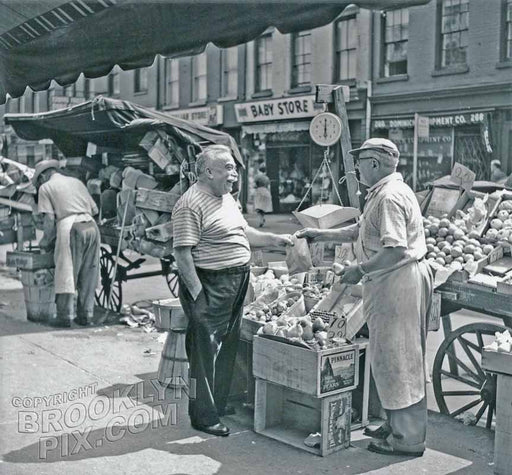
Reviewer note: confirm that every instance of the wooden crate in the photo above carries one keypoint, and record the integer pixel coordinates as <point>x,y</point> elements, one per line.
<point>290,416</point>
<point>318,373</point>
<point>27,260</point>
<point>501,363</point>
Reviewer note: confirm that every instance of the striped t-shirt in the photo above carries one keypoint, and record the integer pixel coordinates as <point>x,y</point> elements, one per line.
<point>213,226</point>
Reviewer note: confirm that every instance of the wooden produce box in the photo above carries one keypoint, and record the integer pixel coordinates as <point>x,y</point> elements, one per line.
<point>501,363</point>
<point>27,260</point>
<point>290,416</point>
<point>317,373</point>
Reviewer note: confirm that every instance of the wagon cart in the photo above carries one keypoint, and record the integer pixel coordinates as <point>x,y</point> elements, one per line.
<point>136,163</point>
<point>461,386</point>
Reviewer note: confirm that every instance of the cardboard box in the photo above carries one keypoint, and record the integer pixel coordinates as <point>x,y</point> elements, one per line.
<point>318,373</point>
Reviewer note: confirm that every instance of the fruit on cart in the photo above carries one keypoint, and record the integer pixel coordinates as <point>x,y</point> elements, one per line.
<point>496,223</point>
<point>338,268</point>
<point>318,325</point>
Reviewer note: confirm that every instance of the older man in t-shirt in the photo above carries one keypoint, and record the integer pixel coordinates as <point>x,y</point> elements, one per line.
<point>212,250</point>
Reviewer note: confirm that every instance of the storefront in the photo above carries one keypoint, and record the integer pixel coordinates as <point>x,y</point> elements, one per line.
<point>463,137</point>
<point>275,135</point>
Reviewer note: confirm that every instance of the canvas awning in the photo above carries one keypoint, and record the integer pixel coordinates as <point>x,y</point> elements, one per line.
<point>110,123</point>
<point>55,39</point>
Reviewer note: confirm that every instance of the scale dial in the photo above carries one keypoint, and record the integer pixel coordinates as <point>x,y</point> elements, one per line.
<point>325,129</point>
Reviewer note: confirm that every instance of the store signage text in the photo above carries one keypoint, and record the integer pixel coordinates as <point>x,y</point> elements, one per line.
<point>434,121</point>
<point>277,109</point>
<point>209,115</point>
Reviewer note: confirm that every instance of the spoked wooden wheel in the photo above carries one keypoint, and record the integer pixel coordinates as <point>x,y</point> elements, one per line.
<point>107,279</point>
<point>460,383</point>
<point>172,279</point>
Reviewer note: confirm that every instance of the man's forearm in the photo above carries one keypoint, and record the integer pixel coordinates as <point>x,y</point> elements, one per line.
<point>341,235</point>
<point>49,232</point>
<point>384,259</point>
<point>187,270</point>
<point>260,239</point>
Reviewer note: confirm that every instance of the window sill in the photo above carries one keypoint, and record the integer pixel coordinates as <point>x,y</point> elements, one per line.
<point>140,93</point>
<point>396,78</point>
<point>300,89</point>
<point>169,107</point>
<point>265,93</point>
<point>347,82</point>
<point>201,102</point>
<point>451,70</point>
<point>504,64</point>
<point>227,99</point>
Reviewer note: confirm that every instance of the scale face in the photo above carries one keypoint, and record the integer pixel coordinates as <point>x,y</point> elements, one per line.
<point>325,129</point>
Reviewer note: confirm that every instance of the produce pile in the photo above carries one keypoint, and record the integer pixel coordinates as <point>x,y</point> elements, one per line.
<point>500,230</point>
<point>502,343</point>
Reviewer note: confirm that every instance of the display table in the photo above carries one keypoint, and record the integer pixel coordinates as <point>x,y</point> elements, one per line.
<point>501,364</point>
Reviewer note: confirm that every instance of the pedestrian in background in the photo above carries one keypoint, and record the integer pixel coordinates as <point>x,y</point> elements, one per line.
<point>212,251</point>
<point>262,195</point>
<point>497,173</point>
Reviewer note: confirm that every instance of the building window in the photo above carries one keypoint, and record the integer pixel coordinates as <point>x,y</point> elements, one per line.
<point>172,82</point>
<point>87,88</point>
<point>199,78</point>
<point>263,62</point>
<point>454,32</point>
<point>114,86</point>
<point>69,91</point>
<point>301,59</point>
<point>346,49</point>
<point>396,34</point>
<point>140,80</point>
<point>507,31</point>
<point>229,68</point>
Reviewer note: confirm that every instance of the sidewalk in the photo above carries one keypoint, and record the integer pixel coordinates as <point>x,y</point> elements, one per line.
<point>122,422</point>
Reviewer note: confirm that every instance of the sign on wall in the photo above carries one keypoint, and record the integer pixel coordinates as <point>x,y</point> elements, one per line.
<point>451,120</point>
<point>277,109</point>
<point>208,115</point>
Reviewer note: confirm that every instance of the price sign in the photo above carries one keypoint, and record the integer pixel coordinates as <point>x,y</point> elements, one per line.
<point>337,327</point>
<point>463,176</point>
<point>344,252</point>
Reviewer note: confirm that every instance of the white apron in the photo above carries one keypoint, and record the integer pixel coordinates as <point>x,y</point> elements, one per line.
<point>64,277</point>
<point>396,302</point>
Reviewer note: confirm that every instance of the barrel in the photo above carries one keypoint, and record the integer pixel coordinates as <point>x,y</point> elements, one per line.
<point>173,363</point>
<point>39,293</point>
<point>169,315</point>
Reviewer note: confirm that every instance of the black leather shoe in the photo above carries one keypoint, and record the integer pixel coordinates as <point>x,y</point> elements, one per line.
<point>381,447</point>
<point>228,411</point>
<point>381,432</point>
<point>216,429</point>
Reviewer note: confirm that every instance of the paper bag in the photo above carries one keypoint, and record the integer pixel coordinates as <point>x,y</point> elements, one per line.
<point>298,257</point>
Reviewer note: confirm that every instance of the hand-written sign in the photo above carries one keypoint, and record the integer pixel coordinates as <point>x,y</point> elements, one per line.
<point>463,176</point>
<point>344,252</point>
<point>337,327</point>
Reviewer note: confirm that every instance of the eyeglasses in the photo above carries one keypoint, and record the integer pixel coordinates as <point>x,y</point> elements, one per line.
<point>357,160</point>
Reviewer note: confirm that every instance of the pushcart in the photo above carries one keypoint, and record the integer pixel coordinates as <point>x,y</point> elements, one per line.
<point>108,132</point>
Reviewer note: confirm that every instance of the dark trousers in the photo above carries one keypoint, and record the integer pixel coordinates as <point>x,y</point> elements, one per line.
<point>212,338</point>
<point>85,253</point>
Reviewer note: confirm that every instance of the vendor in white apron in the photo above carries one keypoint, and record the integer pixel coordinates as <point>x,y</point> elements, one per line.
<point>69,230</point>
<point>397,291</point>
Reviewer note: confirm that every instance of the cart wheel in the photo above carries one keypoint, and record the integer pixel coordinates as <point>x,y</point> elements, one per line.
<point>470,387</point>
<point>172,280</point>
<point>106,278</point>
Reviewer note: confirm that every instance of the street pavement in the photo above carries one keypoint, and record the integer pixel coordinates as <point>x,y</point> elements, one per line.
<point>86,400</point>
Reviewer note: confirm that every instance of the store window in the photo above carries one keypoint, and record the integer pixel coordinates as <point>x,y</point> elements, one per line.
<point>263,62</point>
<point>199,91</point>
<point>140,80</point>
<point>506,49</point>
<point>172,82</point>
<point>346,49</point>
<point>301,59</point>
<point>454,32</point>
<point>114,83</point>
<point>229,68</point>
<point>395,38</point>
